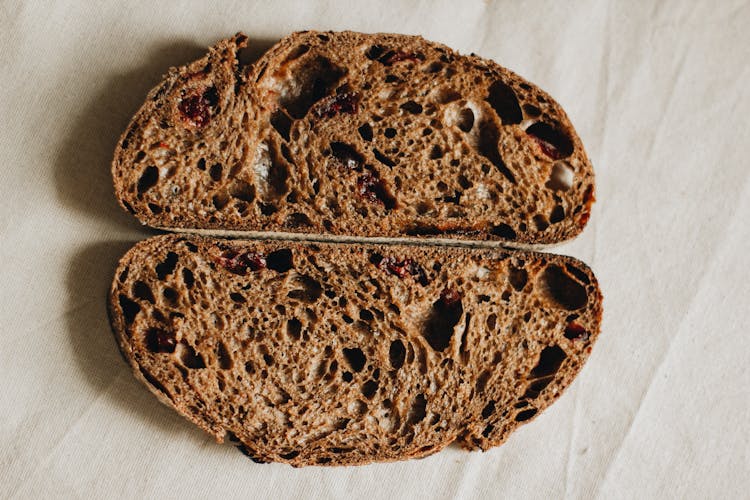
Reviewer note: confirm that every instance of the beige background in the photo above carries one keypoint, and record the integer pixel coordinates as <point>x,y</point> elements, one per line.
<point>660,94</point>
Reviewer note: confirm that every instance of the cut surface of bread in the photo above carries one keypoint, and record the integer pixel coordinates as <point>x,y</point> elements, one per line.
<point>310,353</point>
<point>354,134</point>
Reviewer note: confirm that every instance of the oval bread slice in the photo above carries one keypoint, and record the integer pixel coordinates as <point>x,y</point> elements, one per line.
<point>346,354</point>
<point>358,135</point>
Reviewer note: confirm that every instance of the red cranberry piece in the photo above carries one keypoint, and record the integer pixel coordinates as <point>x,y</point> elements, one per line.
<point>239,263</point>
<point>403,268</point>
<point>197,108</point>
<point>450,297</point>
<point>331,106</point>
<point>553,143</point>
<point>574,331</point>
<point>394,56</point>
<point>159,340</point>
<point>372,189</point>
<point>547,148</point>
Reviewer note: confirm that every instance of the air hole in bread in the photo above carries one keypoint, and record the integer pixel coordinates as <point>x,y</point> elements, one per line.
<point>412,107</point>
<point>374,52</point>
<point>346,156</point>
<point>445,95</point>
<point>580,275</point>
<point>271,174</point>
<point>531,111</point>
<point>355,357</point>
<point>154,208</point>
<point>365,132</point>
<point>443,317</point>
<point>418,410</point>
<point>170,295</point>
<point>550,360</point>
<point>390,133</point>
<point>465,119</point>
<point>517,277</point>
<point>280,260</point>
<point>540,222</point>
<point>188,357</point>
<point>237,298</point>
<point>504,231</point>
<point>308,290</point>
<point>296,53</point>
<point>148,179</point>
<point>142,291</point>
<point>289,455</point>
<point>308,81</point>
<point>565,291</point>
<point>464,340</point>
<point>489,409</point>
<point>347,376</point>
<point>369,389</point>
<point>153,381</point>
<point>167,266</point>
<point>503,100</point>
<point>557,214</point>
<point>366,315</point>
<point>242,191</point>
<point>553,142</point>
<point>220,200</point>
<point>128,207</point>
<point>294,328</point>
<point>215,172</point>
<point>201,165</point>
<point>187,277</point>
<point>297,220</point>
<point>159,340</point>
<point>223,357</point>
<point>383,159</point>
<point>282,123</point>
<point>433,67</point>
<point>561,177</point>
<point>397,354</point>
<point>436,152</point>
<point>489,135</point>
<point>526,415</point>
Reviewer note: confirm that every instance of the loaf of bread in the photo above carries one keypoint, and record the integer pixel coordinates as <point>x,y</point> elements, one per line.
<point>354,134</point>
<point>336,354</point>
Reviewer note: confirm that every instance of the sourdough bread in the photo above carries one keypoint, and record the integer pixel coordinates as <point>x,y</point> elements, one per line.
<point>358,135</point>
<point>310,353</point>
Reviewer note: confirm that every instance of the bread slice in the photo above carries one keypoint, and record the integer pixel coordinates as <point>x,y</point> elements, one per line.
<point>346,354</point>
<point>354,134</point>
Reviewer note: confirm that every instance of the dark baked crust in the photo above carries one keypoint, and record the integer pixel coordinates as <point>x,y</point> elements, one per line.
<point>355,134</point>
<point>346,354</point>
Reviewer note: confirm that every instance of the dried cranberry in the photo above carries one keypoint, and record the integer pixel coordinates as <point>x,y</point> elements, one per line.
<point>574,331</point>
<point>553,143</point>
<point>197,108</point>
<point>372,189</point>
<point>340,103</point>
<point>403,268</point>
<point>450,297</point>
<point>393,56</point>
<point>240,262</point>
<point>159,340</point>
<point>546,147</point>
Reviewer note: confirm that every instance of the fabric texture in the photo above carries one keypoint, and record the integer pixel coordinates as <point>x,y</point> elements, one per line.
<point>658,93</point>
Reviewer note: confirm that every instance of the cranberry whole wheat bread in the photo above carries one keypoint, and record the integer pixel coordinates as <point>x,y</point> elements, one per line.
<point>356,135</point>
<point>338,354</point>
